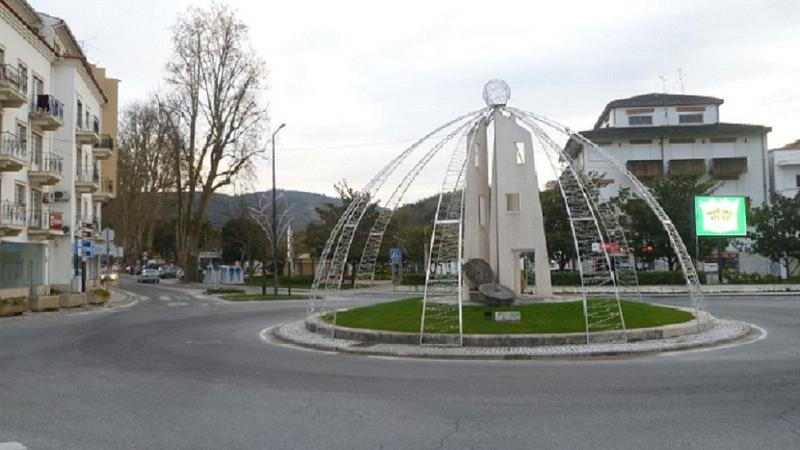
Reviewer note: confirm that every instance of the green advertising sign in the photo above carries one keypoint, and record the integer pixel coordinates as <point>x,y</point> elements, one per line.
<point>720,215</point>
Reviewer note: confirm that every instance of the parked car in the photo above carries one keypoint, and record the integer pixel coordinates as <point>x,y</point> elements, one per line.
<point>148,276</point>
<point>171,271</point>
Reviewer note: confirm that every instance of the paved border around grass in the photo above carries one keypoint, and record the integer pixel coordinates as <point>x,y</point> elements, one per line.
<point>721,332</point>
<point>316,324</point>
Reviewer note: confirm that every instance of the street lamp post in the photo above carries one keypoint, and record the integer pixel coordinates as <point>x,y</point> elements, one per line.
<point>275,217</point>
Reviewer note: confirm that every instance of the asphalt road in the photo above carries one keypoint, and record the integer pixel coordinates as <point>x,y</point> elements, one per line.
<point>177,371</point>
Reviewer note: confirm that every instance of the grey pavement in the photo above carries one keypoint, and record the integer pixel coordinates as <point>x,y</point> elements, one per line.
<point>182,370</point>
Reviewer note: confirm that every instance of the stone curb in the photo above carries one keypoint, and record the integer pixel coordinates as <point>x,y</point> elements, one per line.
<point>315,324</point>
<point>722,332</point>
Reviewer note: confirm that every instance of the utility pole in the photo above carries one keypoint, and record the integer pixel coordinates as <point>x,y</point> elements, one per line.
<point>275,216</point>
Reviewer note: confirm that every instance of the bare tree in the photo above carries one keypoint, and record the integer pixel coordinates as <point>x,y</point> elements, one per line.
<point>214,77</point>
<point>262,215</point>
<point>144,175</point>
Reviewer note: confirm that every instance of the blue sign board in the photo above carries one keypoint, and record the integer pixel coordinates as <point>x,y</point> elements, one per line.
<point>395,255</point>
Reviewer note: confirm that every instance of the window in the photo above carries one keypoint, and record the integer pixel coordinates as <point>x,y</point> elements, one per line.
<point>19,194</point>
<point>22,136</point>
<point>80,114</point>
<point>512,202</point>
<point>36,200</point>
<point>681,140</point>
<point>641,141</point>
<point>728,168</point>
<point>482,209</point>
<point>36,141</point>
<point>38,86</point>
<point>23,78</point>
<point>640,120</point>
<point>645,168</point>
<point>520,152</point>
<point>690,118</point>
<point>723,140</point>
<point>797,180</point>
<point>2,56</point>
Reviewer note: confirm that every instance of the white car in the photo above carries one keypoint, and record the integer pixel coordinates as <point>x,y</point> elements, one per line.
<point>149,276</point>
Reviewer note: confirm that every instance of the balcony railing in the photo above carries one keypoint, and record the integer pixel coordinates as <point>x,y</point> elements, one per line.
<point>89,174</point>
<point>47,162</point>
<point>86,226</point>
<point>49,105</point>
<point>39,219</point>
<point>107,185</point>
<point>88,125</point>
<point>10,76</point>
<point>12,214</point>
<point>10,146</point>
<point>106,141</point>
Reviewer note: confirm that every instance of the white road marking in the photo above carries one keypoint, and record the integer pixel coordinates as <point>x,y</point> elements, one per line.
<point>164,298</point>
<point>12,446</point>
<point>177,304</point>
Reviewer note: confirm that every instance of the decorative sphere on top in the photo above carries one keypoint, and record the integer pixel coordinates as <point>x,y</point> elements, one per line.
<point>496,92</point>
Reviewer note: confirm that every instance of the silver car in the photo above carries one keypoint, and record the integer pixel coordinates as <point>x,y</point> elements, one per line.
<point>149,276</point>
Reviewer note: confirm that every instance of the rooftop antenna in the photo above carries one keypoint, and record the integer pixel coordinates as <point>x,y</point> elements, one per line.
<point>663,83</point>
<point>680,79</point>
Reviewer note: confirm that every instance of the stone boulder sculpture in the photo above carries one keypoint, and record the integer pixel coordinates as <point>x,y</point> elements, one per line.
<point>494,294</point>
<point>478,272</point>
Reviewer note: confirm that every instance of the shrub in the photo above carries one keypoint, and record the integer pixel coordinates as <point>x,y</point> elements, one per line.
<point>224,291</point>
<point>752,278</point>
<point>568,278</point>
<point>413,279</point>
<point>100,292</point>
<point>16,301</point>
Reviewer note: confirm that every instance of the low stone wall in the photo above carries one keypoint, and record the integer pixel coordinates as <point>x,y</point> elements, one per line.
<point>72,300</point>
<point>315,324</point>
<point>95,299</point>
<point>44,303</point>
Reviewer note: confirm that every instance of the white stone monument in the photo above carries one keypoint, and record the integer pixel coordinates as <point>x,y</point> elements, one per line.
<point>502,210</point>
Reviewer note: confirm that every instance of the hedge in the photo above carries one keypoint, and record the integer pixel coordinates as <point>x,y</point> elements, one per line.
<point>755,278</point>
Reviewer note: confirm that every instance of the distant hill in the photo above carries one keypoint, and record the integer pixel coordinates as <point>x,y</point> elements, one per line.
<point>223,207</point>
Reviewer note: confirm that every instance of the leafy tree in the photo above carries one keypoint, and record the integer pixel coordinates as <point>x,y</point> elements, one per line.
<point>645,233</point>
<point>776,232</point>
<point>317,234</point>
<point>560,243</point>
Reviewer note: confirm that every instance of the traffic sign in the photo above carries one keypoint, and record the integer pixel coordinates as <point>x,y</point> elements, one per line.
<point>395,255</point>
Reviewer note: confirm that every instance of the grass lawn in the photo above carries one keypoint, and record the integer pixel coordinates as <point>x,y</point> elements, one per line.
<point>567,317</point>
<point>259,297</point>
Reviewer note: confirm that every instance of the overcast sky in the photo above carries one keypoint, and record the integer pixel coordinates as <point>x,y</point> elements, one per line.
<point>356,82</point>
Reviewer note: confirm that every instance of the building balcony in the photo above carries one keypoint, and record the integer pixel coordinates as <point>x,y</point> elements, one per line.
<point>695,167</point>
<point>105,148</point>
<point>13,156</point>
<point>13,87</point>
<point>43,224</point>
<point>87,180</point>
<point>48,114</point>
<point>13,218</point>
<point>87,131</point>
<point>46,169</point>
<point>106,191</point>
<point>646,169</point>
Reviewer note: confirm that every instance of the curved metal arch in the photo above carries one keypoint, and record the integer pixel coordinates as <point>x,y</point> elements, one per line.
<point>366,266</point>
<point>684,259</point>
<point>445,255</point>
<point>344,230</point>
<point>599,315</point>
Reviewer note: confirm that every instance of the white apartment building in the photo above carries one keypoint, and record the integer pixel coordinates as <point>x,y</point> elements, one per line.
<point>785,167</point>
<point>51,193</point>
<point>658,135</point>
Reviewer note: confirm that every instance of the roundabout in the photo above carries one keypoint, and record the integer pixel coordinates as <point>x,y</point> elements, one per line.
<point>553,330</point>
